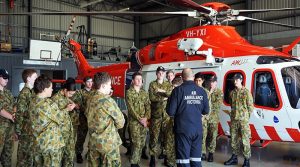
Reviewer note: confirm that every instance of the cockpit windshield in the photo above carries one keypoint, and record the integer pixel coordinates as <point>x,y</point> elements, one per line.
<point>291,79</point>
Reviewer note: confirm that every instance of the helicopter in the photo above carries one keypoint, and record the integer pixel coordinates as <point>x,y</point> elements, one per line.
<point>215,48</point>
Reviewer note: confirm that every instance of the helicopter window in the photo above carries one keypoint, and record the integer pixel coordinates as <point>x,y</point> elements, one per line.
<point>291,79</point>
<point>264,91</point>
<point>274,60</point>
<point>229,85</point>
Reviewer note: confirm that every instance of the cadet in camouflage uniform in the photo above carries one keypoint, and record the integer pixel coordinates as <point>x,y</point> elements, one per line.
<point>23,125</point>
<point>159,91</point>
<point>47,122</point>
<point>241,102</point>
<point>6,121</point>
<point>104,119</point>
<point>216,98</point>
<point>80,98</point>
<point>170,75</point>
<point>199,80</point>
<point>139,111</point>
<point>62,99</point>
<point>170,136</point>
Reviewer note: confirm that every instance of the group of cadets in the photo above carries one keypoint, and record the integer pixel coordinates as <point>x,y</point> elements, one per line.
<point>147,111</point>
<point>51,129</point>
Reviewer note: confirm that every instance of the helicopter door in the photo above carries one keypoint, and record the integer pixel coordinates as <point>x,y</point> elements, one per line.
<point>269,118</point>
<point>291,80</point>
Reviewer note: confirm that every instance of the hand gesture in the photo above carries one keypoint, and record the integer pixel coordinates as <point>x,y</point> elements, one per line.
<point>71,106</point>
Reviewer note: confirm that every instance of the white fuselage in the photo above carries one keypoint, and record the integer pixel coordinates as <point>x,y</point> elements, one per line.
<point>280,122</point>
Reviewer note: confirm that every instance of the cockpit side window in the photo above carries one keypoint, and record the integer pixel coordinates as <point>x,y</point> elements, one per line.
<point>264,90</point>
<point>291,80</point>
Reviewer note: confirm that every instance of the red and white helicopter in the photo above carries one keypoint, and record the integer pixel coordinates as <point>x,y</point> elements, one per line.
<point>272,76</point>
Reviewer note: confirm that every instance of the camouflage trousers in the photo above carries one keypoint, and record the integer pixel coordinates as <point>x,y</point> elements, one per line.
<point>6,143</point>
<point>209,136</point>
<point>25,157</point>
<point>48,159</point>
<point>170,143</point>
<point>68,152</point>
<point>81,133</point>
<point>138,138</point>
<point>97,159</point>
<point>75,130</point>
<point>240,130</point>
<point>157,129</point>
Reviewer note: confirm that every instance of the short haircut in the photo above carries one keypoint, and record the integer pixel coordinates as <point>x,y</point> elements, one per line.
<point>101,78</point>
<point>70,84</point>
<point>199,75</point>
<point>177,81</point>
<point>136,74</point>
<point>27,73</point>
<point>87,78</point>
<point>170,71</point>
<point>41,83</point>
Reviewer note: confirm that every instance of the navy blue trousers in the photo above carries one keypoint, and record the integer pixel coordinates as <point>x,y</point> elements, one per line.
<point>188,150</point>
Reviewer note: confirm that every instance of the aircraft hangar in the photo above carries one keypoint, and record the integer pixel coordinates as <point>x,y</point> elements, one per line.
<point>35,34</point>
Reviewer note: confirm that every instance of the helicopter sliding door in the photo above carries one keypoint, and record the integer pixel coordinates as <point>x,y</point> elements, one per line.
<point>291,80</point>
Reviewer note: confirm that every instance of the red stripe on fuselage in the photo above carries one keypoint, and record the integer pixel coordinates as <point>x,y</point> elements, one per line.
<point>271,131</point>
<point>294,133</point>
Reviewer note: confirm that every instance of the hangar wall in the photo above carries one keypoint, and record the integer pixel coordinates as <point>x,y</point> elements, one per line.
<point>109,31</point>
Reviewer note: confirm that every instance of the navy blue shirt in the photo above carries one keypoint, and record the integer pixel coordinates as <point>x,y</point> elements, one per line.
<point>187,104</point>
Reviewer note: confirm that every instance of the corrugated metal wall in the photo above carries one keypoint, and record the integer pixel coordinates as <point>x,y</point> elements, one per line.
<point>154,29</point>
<point>109,32</point>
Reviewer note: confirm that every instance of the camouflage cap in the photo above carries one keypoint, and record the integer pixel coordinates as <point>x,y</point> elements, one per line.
<point>4,74</point>
<point>160,68</point>
<point>213,78</point>
<point>238,76</point>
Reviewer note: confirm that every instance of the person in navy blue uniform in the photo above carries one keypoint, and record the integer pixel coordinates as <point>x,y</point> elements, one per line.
<point>187,104</point>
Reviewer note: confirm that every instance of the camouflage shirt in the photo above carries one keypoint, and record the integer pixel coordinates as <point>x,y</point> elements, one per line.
<point>80,98</point>
<point>104,119</point>
<point>158,104</point>
<point>6,103</point>
<point>241,102</point>
<point>206,117</point>
<point>138,104</point>
<point>46,122</point>
<point>216,98</point>
<point>22,121</point>
<point>62,103</point>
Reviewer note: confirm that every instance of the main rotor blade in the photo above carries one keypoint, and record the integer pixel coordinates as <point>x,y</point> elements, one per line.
<point>191,4</point>
<point>242,18</point>
<point>99,13</point>
<point>266,10</point>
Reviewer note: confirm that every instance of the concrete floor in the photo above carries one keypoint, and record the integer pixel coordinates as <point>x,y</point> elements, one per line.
<point>274,155</point>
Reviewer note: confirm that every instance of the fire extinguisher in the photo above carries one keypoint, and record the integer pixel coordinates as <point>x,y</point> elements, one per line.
<point>95,48</point>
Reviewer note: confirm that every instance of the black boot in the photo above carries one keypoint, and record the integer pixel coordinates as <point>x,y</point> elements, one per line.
<point>152,161</point>
<point>246,163</point>
<point>144,155</point>
<point>135,165</point>
<point>203,157</point>
<point>128,152</point>
<point>210,157</point>
<point>161,156</point>
<point>232,161</point>
<point>79,158</point>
